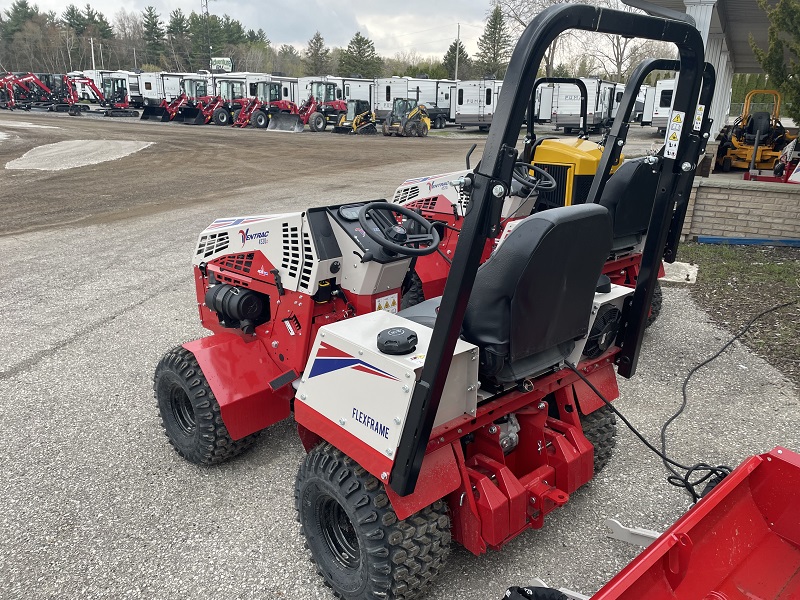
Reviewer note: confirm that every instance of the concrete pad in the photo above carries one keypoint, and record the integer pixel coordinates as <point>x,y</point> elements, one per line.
<point>26,125</point>
<point>679,272</point>
<point>75,153</point>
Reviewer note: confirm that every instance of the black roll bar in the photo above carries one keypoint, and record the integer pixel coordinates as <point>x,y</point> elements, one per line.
<point>488,186</point>
<point>570,80</point>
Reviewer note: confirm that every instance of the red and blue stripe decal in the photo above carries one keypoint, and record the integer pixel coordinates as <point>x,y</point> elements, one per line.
<point>330,359</point>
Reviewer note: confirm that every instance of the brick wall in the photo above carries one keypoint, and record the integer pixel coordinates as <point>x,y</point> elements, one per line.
<point>720,206</point>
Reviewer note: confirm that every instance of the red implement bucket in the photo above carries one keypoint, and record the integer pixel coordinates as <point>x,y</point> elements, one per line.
<point>740,542</point>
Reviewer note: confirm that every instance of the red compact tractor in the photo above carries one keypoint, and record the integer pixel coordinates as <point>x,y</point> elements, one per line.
<point>468,417</point>
<point>324,106</point>
<point>259,110</point>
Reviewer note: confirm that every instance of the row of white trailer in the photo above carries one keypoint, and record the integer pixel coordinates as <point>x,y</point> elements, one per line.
<point>465,103</point>
<point>560,103</point>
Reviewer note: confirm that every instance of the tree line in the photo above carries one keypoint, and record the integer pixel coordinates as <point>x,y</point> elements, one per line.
<point>33,40</point>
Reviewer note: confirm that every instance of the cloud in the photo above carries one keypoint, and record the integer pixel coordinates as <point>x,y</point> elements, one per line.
<point>415,25</point>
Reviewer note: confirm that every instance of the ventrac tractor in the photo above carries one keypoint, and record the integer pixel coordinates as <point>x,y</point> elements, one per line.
<point>468,417</point>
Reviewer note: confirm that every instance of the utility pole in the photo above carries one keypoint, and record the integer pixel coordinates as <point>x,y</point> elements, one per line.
<point>204,11</point>
<point>102,62</point>
<point>458,50</point>
<point>135,66</point>
<point>91,41</point>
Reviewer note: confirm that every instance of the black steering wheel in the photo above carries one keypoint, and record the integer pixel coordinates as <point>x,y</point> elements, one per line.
<point>544,182</point>
<point>396,238</point>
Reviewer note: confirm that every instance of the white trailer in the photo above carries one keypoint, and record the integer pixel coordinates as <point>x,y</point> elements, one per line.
<point>599,103</point>
<point>289,88</point>
<point>472,103</point>
<point>649,106</point>
<point>433,93</point>
<point>543,105</point>
<point>662,107</point>
<point>347,88</point>
<point>157,87</point>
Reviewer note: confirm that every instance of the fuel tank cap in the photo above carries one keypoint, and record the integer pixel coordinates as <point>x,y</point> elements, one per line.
<point>397,340</point>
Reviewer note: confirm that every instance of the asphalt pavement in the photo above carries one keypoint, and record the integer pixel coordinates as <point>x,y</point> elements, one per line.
<point>95,502</point>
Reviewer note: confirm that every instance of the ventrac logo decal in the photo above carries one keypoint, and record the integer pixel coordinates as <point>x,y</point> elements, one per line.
<point>261,236</point>
<point>432,186</point>
<point>330,359</point>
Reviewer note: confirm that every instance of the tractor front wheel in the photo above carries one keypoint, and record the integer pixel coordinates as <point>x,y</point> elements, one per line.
<point>235,118</point>
<point>259,120</point>
<point>422,130</point>
<point>412,129</point>
<point>190,413</point>
<point>600,428</point>
<point>357,543</point>
<point>221,117</point>
<point>385,129</point>
<point>317,122</point>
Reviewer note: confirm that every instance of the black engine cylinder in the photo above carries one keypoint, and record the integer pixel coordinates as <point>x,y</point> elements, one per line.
<point>236,307</point>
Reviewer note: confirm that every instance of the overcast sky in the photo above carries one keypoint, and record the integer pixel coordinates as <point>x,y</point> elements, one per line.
<point>427,26</point>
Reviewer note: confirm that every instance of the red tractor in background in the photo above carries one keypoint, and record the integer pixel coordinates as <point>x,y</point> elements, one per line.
<point>324,106</point>
<point>259,110</point>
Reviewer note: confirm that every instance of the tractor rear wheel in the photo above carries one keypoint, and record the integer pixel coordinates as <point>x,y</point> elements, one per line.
<point>259,119</point>
<point>221,117</point>
<point>422,130</point>
<point>190,413</point>
<point>357,543</point>
<point>655,304</point>
<point>600,428</point>
<point>317,122</point>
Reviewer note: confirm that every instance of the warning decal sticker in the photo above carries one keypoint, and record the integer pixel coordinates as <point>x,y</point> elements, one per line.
<point>387,303</point>
<point>676,122</point>
<point>698,117</point>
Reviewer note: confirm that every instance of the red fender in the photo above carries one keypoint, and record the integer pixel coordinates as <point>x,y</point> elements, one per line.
<point>252,391</point>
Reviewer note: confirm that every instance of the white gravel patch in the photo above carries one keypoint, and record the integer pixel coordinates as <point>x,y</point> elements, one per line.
<point>75,153</point>
<point>3,136</point>
<point>26,125</point>
<point>679,272</point>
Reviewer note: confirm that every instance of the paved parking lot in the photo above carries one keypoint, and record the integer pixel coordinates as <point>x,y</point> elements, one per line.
<point>97,285</point>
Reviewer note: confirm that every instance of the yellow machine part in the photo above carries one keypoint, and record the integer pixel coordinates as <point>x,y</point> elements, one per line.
<point>740,154</point>
<point>573,163</point>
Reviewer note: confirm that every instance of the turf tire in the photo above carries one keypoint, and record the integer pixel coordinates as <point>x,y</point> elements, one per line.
<point>414,294</point>
<point>600,428</point>
<point>190,413</point>
<point>357,543</point>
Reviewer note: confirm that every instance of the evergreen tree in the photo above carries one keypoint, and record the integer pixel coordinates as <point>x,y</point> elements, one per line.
<point>73,17</point>
<point>178,24</point>
<point>561,70</point>
<point>316,60</point>
<point>21,12</point>
<point>360,58</point>
<point>783,43</point>
<point>494,46</point>
<point>464,62</point>
<point>153,35</point>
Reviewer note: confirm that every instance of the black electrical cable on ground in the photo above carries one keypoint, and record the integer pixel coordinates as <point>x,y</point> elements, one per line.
<point>702,472</point>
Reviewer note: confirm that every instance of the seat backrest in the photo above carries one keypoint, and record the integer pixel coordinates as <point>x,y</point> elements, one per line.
<point>759,121</point>
<point>629,195</point>
<point>535,292</point>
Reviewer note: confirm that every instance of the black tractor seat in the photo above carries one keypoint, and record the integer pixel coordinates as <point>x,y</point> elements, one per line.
<point>533,297</point>
<point>758,121</point>
<point>629,195</point>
